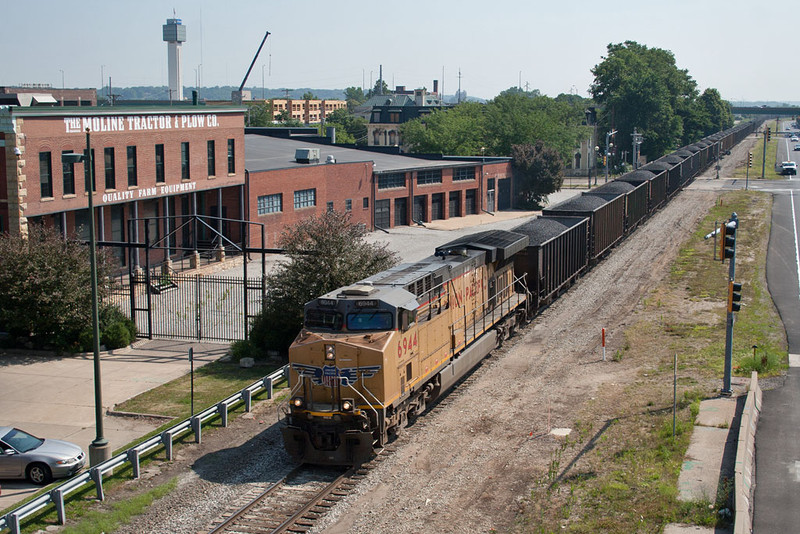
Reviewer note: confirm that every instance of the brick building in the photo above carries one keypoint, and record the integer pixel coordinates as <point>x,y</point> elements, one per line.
<point>34,94</point>
<point>309,111</point>
<point>149,162</point>
<point>380,190</point>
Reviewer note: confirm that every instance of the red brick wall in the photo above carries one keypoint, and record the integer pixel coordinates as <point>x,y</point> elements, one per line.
<point>333,182</point>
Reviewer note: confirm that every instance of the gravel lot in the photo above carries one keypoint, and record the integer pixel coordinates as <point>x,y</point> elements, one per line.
<point>466,466</point>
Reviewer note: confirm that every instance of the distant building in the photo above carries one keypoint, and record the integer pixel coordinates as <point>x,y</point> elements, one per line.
<point>305,111</point>
<point>36,94</point>
<point>386,113</point>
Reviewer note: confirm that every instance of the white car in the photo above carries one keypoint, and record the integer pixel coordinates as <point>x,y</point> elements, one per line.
<point>794,139</point>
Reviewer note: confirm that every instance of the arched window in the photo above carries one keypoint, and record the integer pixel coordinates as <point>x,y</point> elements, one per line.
<point>577,160</point>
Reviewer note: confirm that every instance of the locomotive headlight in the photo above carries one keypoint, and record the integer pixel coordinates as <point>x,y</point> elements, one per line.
<point>347,405</point>
<point>330,352</point>
<point>297,402</point>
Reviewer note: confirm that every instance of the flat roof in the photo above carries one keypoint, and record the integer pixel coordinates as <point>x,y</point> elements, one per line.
<point>264,153</point>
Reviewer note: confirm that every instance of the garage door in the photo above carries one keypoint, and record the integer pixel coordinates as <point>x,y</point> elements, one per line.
<point>401,211</point>
<point>383,213</point>
<point>437,206</point>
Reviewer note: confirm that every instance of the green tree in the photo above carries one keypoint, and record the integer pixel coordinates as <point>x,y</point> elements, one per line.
<point>538,172</point>
<point>349,128</point>
<point>324,253</point>
<point>45,288</point>
<point>718,110</point>
<point>456,132</point>
<point>308,95</point>
<point>354,97</point>
<point>258,114</point>
<point>380,88</point>
<point>641,87</point>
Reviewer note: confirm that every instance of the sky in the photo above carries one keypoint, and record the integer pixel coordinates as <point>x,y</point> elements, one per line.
<point>550,46</point>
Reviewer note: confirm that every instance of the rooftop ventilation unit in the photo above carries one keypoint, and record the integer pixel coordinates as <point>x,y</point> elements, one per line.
<point>306,155</point>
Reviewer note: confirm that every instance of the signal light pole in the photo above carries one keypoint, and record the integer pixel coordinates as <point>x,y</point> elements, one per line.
<point>727,250</point>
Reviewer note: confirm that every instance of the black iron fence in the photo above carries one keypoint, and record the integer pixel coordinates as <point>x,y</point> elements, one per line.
<point>189,306</point>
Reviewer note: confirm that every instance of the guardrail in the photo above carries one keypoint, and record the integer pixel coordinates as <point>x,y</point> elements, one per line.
<point>745,459</point>
<point>12,519</point>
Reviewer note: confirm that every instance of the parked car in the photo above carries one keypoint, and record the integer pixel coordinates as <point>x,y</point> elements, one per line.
<point>788,167</point>
<point>39,460</point>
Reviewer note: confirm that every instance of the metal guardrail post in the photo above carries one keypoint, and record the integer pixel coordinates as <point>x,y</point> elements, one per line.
<point>166,439</point>
<point>247,395</point>
<point>268,386</point>
<point>97,477</point>
<point>133,458</point>
<point>222,410</point>
<point>13,522</point>
<point>197,428</point>
<point>57,496</point>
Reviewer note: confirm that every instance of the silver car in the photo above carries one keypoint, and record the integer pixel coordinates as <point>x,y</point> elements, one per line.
<point>38,460</point>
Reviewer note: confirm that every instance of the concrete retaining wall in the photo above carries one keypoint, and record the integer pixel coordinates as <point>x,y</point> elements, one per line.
<point>744,471</point>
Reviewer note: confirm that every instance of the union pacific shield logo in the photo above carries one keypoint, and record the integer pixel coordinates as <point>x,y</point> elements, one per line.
<point>330,375</point>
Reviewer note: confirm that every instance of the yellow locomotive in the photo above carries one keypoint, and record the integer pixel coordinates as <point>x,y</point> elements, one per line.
<point>371,356</point>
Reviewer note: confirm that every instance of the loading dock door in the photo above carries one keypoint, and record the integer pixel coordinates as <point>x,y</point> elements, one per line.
<point>504,194</point>
<point>401,211</point>
<point>454,208</point>
<point>469,202</point>
<point>382,213</point>
<point>437,206</point>
<point>420,202</point>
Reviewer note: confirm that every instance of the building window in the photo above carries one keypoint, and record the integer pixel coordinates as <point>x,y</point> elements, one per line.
<point>108,157</point>
<point>185,160</point>
<point>160,164</point>
<point>305,198</point>
<point>270,204</point>
<point>133,175</point>
<point>231,157</point>
<point>348,204</point>
<point>68,170</point>
<point>431,176</point>
<point>46,174</point>
<point>461,174</point>
<point>330,205</point>
<point>212,159</point>
<point>365,203</point>
<point>391,181</point>
<point>394,117</point>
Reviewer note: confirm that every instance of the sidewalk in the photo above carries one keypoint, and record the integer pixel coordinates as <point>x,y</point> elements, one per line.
<point>53,396</point>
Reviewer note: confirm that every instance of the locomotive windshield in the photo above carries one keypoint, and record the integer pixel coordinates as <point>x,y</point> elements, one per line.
<point>370,320</point>
<point>327,319</point>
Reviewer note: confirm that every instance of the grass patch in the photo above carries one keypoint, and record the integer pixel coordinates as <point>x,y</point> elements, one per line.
<point>635,460</point>
<point>212,383</point>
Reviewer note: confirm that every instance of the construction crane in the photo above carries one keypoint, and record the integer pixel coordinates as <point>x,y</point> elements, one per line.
<point>236,97</point>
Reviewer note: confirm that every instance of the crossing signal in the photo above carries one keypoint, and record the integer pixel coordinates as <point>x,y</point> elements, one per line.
<point>749,159</point>
<point>734,296</point>
<point>769,133</point>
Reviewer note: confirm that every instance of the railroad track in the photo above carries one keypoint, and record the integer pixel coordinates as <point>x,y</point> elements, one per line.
<point>297,501</point>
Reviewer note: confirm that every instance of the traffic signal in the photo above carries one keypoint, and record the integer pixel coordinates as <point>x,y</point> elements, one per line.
<point>605,160</point>
<point>734,296</point>
<point>727,240</point>
<point>749,159</point>
<point>769,133</point>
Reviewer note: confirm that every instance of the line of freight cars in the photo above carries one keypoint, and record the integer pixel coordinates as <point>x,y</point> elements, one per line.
<point>373,355</point>
<point>572,236</point>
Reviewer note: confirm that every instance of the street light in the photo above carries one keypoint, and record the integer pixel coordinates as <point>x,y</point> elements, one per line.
<point>99,450</point>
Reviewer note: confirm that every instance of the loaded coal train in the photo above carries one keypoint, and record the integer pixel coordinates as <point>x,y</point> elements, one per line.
<point>373,355</point>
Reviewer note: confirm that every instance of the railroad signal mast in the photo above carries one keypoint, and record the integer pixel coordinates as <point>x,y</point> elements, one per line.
<point>727,251</point>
